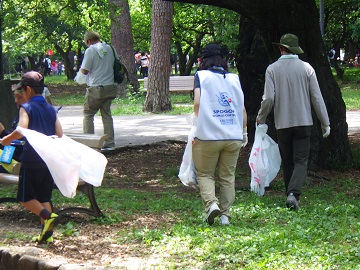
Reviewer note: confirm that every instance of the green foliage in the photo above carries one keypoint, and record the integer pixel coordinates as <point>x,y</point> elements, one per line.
<point>141,13</point>
<point>340,34</point>
<point>263,234</point>
<point>30,28</point>
<point>351,96</point>
<point>356,31</point>
<point>69,229</point>
<point>350,87</point>
<point>350,74</point>
<point>191,23</point>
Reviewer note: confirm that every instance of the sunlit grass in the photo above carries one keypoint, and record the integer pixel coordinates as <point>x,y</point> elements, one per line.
<point>323,234</point>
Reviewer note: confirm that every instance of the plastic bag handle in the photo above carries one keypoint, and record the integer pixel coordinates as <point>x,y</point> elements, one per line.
<point>15,142</point>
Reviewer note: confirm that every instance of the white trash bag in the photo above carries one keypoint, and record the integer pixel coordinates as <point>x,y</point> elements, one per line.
<point>187,172</point>
<point>264,160</point>
<point>81,78</point>
<point>67,160</point>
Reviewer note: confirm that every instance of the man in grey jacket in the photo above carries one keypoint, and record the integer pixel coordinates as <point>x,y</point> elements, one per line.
<point>291,87</point>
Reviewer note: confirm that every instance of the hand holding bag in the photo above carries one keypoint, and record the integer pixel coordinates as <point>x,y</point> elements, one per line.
<point>187,172</point>
<point>264,160</point>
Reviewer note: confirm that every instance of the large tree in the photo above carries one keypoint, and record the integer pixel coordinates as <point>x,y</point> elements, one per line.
<point>263,22</point>
<point>122,38</point>
<point>158,96</point>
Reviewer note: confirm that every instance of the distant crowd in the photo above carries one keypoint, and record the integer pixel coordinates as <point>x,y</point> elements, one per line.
<point>142,61</point>
<point>349,62</point>
<point>53,67</point>
<point>48,67</point>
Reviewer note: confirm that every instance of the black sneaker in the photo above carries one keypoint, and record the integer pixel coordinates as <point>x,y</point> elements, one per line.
<point>292,203</point>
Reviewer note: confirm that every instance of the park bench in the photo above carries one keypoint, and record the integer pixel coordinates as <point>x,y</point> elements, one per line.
<point>177,83</point>
<point>92,140</point>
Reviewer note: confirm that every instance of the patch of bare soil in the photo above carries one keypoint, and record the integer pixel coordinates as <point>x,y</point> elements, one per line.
<point>56,89</point>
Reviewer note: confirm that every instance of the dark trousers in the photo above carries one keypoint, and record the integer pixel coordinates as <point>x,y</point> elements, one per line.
<point>294,146</point>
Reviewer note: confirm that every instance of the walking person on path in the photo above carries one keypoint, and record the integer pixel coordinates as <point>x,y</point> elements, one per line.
<point>98,64</point>
<point>221,132</point>
<point>291,87</point>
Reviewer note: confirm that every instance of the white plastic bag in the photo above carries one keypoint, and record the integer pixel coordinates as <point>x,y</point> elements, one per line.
<point>64,167</point>
<point>80,77</point>
<point>67,160</point>
<point>264,160</point>
<point>93,163</point>
<point>187,172</point>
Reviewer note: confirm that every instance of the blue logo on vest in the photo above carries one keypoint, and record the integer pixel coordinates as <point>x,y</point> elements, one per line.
<point>224,99</point>
<point>227,122</point>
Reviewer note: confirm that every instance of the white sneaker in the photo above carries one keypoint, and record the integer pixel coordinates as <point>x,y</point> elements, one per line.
<point>104,149</point>
<point>213,212</point>
<point>224,220</point>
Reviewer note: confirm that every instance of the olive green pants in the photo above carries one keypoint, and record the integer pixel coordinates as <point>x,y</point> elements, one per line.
<point>100,98</point>
<point>207,155</point>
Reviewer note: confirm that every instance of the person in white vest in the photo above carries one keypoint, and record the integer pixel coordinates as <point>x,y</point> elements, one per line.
<point>221,132</point>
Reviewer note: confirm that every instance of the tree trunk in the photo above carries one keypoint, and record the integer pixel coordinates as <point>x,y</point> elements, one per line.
<point>1,49</point>
<point>69,64</point>
<point>122,40</point>
<point>265,22</point>
<point>158,95</point>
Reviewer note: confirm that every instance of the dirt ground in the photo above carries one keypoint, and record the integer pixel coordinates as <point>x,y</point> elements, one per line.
<point>94,244</point>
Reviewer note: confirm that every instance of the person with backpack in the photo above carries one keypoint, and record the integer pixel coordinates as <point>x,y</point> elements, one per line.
<point>144,62</point>
<point>98,65</point>
<point>46,65</point>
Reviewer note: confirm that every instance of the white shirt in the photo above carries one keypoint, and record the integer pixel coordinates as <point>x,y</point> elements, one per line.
<point>99,61</point>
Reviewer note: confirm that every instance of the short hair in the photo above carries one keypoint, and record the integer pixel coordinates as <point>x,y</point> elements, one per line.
<point>286,49</point>
<point>38,89</point>
<point>91,35</point>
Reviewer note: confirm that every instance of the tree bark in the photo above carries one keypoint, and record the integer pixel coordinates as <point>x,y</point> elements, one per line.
<point>1,49</point>
<point>265,22</point>
<point>122,40</point>
<point>158,95</point>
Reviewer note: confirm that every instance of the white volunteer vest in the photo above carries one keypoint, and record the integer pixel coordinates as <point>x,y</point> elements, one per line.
<point>221,107</point>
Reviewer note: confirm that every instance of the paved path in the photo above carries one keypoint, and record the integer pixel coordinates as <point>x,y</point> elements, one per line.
<point>353,120</point>
<point>131,130</point>
<point>140,130</point>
